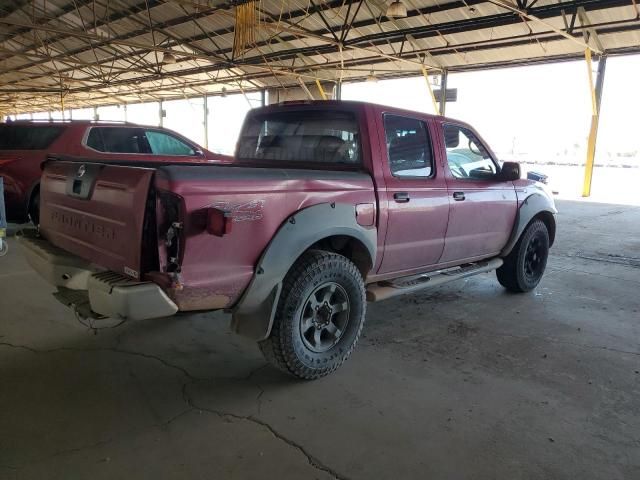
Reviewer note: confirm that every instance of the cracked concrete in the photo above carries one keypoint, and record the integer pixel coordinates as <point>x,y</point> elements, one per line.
<point>463,382</point>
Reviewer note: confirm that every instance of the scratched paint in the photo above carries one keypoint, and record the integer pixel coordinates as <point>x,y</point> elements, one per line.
<point>242,212</point>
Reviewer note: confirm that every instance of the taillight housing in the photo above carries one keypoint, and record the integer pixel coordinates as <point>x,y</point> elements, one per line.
<point>219,222</point>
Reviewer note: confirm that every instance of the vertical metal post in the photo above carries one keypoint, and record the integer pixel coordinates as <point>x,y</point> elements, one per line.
<point>263,97</point>
<point>126,116</point>
<point>95,113</point>
<point>323,94</point>
<point>339,90</point>
<point>205,123</point>
<point>596,101</point>
<point>431,94</point>
<point>443,92</point>
<point>160,113</point>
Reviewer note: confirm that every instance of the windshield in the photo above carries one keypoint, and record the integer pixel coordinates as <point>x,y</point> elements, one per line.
<point>28,137</point>
<point>305,136</point>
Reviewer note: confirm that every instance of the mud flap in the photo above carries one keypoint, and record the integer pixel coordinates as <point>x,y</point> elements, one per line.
<point>256,324</point>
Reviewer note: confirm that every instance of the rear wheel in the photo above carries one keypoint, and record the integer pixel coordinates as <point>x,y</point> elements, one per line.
<point>524,266</point>
<point>319,317</point>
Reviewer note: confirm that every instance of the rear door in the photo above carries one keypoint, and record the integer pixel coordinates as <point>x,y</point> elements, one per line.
<point>483,207</point>
<point>96,211</point>
<point>416,192</point>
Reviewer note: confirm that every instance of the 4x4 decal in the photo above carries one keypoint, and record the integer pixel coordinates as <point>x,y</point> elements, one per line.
<point>242,212</point>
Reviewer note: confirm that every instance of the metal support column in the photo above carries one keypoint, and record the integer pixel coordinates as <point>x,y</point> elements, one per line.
<point>596,101</point>
<point>205,123</point>
<point>95,113</point>
<point>443,92</point>
<point>339,90</point>
<point>160,113</point>
<point>263,97</point>
<point>126,116</point>
<point>430,89</point>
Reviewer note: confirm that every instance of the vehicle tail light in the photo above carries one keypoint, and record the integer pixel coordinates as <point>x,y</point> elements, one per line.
<point>219,222</point>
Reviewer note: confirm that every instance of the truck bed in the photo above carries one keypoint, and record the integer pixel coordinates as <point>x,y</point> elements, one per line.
<point>107,213</point>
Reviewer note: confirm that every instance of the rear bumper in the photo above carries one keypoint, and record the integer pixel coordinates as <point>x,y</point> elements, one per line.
<point>104,293</point>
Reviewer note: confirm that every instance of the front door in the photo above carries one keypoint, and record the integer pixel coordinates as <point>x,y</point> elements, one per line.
<point>416,193</point>
<point>482,206</point>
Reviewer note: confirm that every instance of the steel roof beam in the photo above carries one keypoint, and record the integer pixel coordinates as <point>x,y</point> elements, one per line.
<point>526,13</point>
<point>418,32</point>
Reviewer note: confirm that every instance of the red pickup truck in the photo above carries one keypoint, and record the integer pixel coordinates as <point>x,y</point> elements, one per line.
<point>24,145</point>
<point>327,205</point>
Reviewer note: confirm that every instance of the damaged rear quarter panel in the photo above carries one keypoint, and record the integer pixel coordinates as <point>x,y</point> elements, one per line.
<point>216,270</point>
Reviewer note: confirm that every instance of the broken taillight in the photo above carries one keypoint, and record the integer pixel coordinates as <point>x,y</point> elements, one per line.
<point>219,222</point>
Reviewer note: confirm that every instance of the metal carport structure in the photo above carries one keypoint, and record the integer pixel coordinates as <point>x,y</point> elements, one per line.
<point>57,54</point>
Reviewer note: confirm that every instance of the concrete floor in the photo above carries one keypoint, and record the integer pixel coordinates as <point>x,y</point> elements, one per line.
<point>463,382</point>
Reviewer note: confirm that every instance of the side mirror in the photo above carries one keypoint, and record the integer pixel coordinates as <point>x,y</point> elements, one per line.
<point>510,171</point>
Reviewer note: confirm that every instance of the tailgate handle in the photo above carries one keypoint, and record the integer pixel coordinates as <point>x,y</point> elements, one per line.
<point>80,180</point>
<point>77,187</point>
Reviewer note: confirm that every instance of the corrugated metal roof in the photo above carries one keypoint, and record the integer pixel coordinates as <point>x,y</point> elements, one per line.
<point>95,52</point>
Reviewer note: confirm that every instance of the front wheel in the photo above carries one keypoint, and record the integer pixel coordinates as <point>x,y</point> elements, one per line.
<point>524,266</point>
<point>319,317</point>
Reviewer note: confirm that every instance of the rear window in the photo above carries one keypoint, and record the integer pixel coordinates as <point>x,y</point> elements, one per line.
<point>28,137</point>
<point>327,137</point>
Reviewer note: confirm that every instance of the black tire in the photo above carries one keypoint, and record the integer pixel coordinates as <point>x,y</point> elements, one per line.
<point>34,208</point>
<point>524,266</point>
<point>322,292</point>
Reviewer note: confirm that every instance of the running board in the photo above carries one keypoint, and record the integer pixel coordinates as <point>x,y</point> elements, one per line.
<point>401,286</point>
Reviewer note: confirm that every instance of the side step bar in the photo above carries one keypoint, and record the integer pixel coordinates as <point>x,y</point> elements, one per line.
<point>401,286</point>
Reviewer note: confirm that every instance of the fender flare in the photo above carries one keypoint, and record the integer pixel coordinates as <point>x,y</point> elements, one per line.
<point>254,313</point>
<point>532,206</point>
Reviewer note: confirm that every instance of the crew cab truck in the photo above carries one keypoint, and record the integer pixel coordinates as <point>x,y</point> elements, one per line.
<point>326,205</point>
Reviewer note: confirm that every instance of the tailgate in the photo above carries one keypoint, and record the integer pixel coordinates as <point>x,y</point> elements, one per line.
<point>96,211</point>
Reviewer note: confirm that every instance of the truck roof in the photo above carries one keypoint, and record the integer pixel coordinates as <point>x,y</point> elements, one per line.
<point>69,122</point>
<point>350,104</point>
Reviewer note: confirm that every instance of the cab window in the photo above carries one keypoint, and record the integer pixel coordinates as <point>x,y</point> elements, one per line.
<point>467,157</point>
<point>116,140</point>
<point>408,147</point>
<point>164,144</point>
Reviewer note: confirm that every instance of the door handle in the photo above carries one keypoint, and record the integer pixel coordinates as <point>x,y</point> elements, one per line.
<point>458,196</point>
<point>401,197</point>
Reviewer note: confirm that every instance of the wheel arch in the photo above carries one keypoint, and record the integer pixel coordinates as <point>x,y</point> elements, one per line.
<point>348,246</point>
<point>327,226</point>
<point>549,220</point>
<point>535,207</point>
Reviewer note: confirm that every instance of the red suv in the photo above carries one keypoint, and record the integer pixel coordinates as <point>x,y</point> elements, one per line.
<point>24,145</point>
